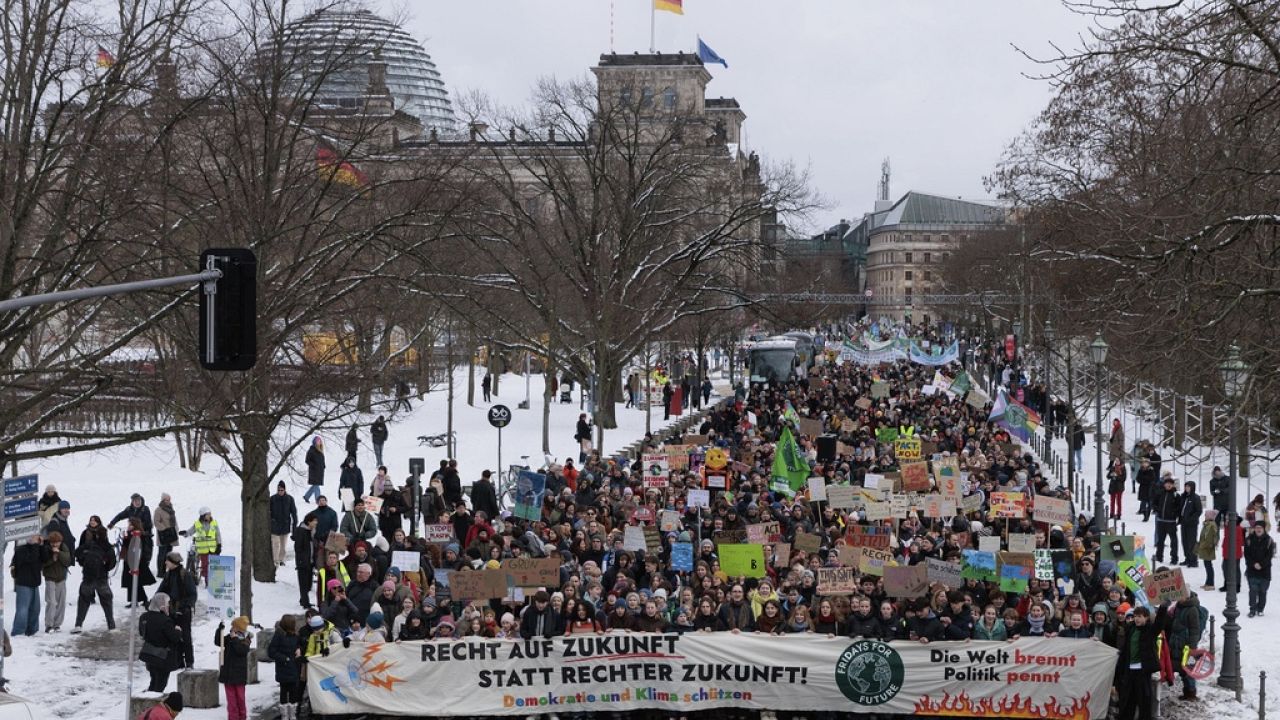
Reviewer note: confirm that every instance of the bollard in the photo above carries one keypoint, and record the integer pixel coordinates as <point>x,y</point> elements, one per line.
<point>1239,685</point>
<point>1213,639</point>
<point>1155,698</point>
<point>1262,695</point>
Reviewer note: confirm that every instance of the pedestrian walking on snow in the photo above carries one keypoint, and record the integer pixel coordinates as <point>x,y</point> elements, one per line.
<point>315,469</point>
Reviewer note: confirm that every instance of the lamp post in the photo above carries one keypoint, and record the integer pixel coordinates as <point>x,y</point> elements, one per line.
<point>1048,333</point>
<point>1235,375</point>
<point>1098,350</point>
<point>1017,358</point>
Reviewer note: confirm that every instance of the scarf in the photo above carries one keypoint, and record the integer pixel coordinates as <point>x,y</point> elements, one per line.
<point>1037,625</point>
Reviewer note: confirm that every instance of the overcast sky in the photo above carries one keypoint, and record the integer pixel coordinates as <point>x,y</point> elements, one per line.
<point>837,85</point>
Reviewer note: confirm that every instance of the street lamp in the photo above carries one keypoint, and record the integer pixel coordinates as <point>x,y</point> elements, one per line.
<point>1235,376</point>
<point>1017,357</point>
<point>1049,334</point>
<point>1098,350</point>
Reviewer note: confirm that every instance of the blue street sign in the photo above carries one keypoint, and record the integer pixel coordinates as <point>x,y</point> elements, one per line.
<point>20,508</point>
<point>21,485</point>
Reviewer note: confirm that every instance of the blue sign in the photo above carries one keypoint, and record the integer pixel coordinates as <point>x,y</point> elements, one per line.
<point>21,485</point>
<point>20,508</point>
<point>682,557</point>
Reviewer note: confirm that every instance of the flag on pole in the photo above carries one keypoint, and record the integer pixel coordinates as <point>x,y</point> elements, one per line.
<point>788,462</point>
<point>709,56</point>
<point>1015,417</point>
<point>105,59</point>
<point>341,171</point>
<point>671,6</point>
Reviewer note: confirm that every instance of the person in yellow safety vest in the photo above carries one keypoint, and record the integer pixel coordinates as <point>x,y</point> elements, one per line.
<point>332,570</point>
<point>207,539</point>
<point>322,635</point>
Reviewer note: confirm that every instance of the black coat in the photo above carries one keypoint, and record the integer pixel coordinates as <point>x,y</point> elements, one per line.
<point>1218,488</point>
<point>304,547</point>
<point>145,576</point>
<point>315,466</point>
<point>180,586</point>
<point>1258,550</point>
<point>235,658</point>
<point>158,629</point>
<point>529,623</point>
<point>1167,505</point>
<point>1191,509</point>
<point>143,513</point>
<point>483,498</point>
<point>284,514</point>
<point>452,486</point>
<point>59,524</point>
<point>352,477</point>
<point>28,563</point>
<point>282,651</point>
<point>378,431</point>
<point>328,522</point>
<point>95,555</point>
<point>1146,478</point>
<point>353,441</point>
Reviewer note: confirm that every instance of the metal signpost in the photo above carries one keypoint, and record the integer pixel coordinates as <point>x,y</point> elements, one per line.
<point>499,417</point>
<point>20,519</point>
<point>134,559</point>
<point>417,466</point>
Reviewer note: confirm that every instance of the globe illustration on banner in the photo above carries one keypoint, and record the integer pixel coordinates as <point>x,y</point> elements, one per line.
<point>870,672</point>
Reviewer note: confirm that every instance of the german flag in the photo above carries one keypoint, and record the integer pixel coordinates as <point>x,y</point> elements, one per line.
<point>332,166</point>
<point>671,6</point>
<point>105,59</point>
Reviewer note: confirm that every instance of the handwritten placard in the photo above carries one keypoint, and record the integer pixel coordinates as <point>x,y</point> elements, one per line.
<point>807,542</point>
<point>406,560</point>
<point>1022,542</point>
<point>1051,510</point>
<point>1166,585</point>
<point>837,580</point>
<point>915,477</point>
<point>817,489</point>
<point>910,581</point>
<point>873,562</point>
<point>947,573</point>
<point>842,496</point>
<point>1008,505</point>
<point>533,572</point>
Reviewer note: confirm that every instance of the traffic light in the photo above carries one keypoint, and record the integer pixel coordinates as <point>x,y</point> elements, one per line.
<point>229,310</point>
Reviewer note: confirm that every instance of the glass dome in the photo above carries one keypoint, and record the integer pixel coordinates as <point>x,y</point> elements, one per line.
<point>412,78</point>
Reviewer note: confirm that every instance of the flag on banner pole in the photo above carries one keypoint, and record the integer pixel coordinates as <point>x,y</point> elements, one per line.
<point>105,59</point>
<point>788,463</point>
<point>671,6</point>
<point>709,56</point>
<point>339,170</point>
<point>1015,417</point>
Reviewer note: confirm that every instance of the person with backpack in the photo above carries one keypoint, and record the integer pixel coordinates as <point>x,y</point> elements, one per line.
<point>285,650</point>
<point>233,665</point>
<point>1188,619</point>
<point>180,586</point>
<point>96,557</point>
<point>161,642</point>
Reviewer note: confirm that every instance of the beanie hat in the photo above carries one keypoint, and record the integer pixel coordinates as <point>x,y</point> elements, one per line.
<point>1101,608</point>
<point>280,485</point>
<point>174,701</point>
<point>334,583</point>
<point>389,585</point>
<point>316,622</point>
<point>174,557</point>
<point>394,572</point>
<point>374,621</point>
<point>508,617</point>
<point>64,505</point>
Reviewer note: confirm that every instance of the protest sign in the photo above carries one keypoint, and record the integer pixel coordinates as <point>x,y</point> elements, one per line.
<point>807,542</point>
<point>732,536</point>
<point>915,477</point>
<point>530,489</point>
<point>715,481</point>
<point>989,543</point>
<point>947,573</point>
<point>763,532</point>
<point>533,572</point>
<point>900,505</point>
<point>1008,505</point>
<point>817,489</point>
<point>946,475</point>
<point>978,565</point>
<point>652,540</point>
<point>910,581</point>
<point>478,584</point>
<point>1117,547</point>
<point>862,403</point>
<point>657,469</point>
<point>874,480</point>
<point>717,673</point>
<point>810,427</point>
<point>864,536</point>
<point>907,448</point>
<point>1014,577</point>
<point>699,497</point>
<point>971,503</point>
<point>1051,510</point>
<point>837,580</point>
<point>879,389</point>
<point>682,557</point>
<point>1165,585</point>
<point>633,538</point>
<point>742,560</point>
<point>643,514</point>
<point>866,495</point>
<point>695,440</point>
<point>873,562</point>
<point>678,456</point>
<point>373,504</point>
<point>221,598</point>
<point>669,521</point>
<point>1044,564</point>
<point>877,511</point>
<point>406,560</point>
<point>348,497</point>
<point>1022,542</point>
<point>937,506</point>
<point>438,532</point>
<point>781,555</point>
<point>842,497</point>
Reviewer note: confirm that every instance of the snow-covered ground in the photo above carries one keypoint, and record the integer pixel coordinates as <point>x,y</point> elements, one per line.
<point>84,676</point>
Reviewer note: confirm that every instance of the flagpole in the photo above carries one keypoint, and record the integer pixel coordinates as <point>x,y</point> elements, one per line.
<point>653,25</point>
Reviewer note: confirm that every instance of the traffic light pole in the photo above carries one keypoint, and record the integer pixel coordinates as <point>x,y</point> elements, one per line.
<point>107,290</point>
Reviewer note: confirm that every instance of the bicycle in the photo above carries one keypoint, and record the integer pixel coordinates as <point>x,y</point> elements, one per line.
<point>507,484</point>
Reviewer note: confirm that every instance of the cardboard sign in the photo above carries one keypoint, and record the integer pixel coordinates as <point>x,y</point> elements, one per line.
<point>533,572</point>
<point>879,389</point>
<point>633,538</point>
<point>698,497</point>
<point>810,427</point>
<point>652,540</point>
<point>1008,505</point>
<point>915,477</point>
<point>817,489</point>
<point>1051,510</point>
<point>678,456</point>
<point>863,536</point>
<point>742,560</point>
<point>976,400</point>
<point>862,403</point>
<point>373,504</point>
<point>946,475</point>
<point>807,542</point>
<point>874,480</point>
<point>1166,585</point>
<point>781,555</point>
<point>1022,542</point>
<point>947,573</point>
<point>971,503</point>
<point>479,584</point>
<point>764,532</point>
<point>837,581</point>
<point>910,581</point>
<point>907,448</point>
<point>878,511</point>
<point>682,557</point>
<point>669,521</point>
<point>348,498</point>
<point>696,440</point>
<point>873,562</point>
<point>900,505</point>
<point>643,514</point>
<point>657,470</point>
<point>406,560</point>
<point>842,496</point>
<point>870,495</point>
<point>438,533</point>
<point>989,543</point>
<point>736,535</point>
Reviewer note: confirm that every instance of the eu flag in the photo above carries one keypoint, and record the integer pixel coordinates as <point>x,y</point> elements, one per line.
<point>708,56</point>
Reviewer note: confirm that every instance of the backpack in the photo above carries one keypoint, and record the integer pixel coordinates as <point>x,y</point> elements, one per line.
<point>1204,623</point>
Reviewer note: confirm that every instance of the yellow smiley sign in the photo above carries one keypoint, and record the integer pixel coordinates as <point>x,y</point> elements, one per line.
<point>716,458</point>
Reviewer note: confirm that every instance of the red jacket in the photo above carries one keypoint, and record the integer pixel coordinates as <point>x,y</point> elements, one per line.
<point>1239,542</point>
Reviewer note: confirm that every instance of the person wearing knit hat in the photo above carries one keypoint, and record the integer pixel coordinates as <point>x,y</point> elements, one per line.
<point>233,671</point>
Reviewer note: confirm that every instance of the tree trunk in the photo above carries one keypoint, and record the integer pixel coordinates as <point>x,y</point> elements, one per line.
<point>606,396</point>
<point>448,373</point>
<point>648,389</point>
<point>548,392</point>
<point>471,372</point>
<point>182,454</point>
<point>495,370</point>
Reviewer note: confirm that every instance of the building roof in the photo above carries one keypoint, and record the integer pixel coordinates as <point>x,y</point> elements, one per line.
<point>649,59</point>
<point>917,208</point>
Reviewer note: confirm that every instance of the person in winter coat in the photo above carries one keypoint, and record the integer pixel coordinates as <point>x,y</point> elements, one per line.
<point>539,619</point>
<point>207,538</point>
<point>451,485</point>
<point>1037,623</point>
<point>378,436</point>
<point>283,515</point>
<point>362,591</point>
<point>137,508</point>
<point>1137,661</point>
<point>233,670</point>
<point>339,610</point>
<point>1146,479</point>
<point>391,516</point>
<point>583,436</point>
<point>1115,445</point>
<point>167,709</point>
<point>1259,549</point>
<point>315,469</point>
<point>483,497</point>
<point>990,626</point>
<point>47,505</point>
<point>146,578</point>
<point>304,556</point>
<point>61,522</point>
<point>96,558</point>
<point>1075,627</point>
<point>27,570</point>
<point>352,478</point>
<point>285,650</point>
<point>957,617</point>
<point>1184,634</point>
<point>1219,490</point>
<point>326,521</point>
<point>1116,476</point>
<point>1207,546</point>
<point>1101,626</point>
<point>359,524</point>
<point>1167,504</point>
<point>352,442</point>
<point>1188,521</point>
<point>55,581</point>
<point>1230,573</point>
<point>180,586</point>
<point>166,523</point>
<point>923,626</point>
<point>486,386</point>
<point>161,642</point>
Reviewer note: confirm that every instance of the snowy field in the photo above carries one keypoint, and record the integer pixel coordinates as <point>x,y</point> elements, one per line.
<point>84,676</point>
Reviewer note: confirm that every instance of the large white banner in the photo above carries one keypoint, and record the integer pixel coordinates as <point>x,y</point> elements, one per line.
<point>1027,678</point>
